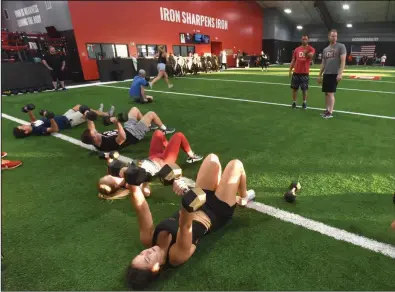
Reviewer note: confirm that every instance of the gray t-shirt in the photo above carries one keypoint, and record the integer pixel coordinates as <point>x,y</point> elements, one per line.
<point>331,58</point>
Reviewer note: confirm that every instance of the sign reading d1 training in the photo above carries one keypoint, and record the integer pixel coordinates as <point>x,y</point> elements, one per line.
<point>173,15</point>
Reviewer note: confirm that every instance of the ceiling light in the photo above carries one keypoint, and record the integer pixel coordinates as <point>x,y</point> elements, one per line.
<point>349,25</point>
<point>299,27</point>
<point>346,6</point>
<point>287,10</point>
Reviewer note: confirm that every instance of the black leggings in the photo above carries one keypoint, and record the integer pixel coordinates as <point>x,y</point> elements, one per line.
<point>263,64</point>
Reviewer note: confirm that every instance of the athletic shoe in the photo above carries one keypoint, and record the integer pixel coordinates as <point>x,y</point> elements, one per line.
<point>153,127</point>
<point>111,111</point>
<point>250,195</point>
<point>328,115</point>
<point>7,164</point>
<point>101,108</point>
<point>64,89</point>
<point>169,130</point>
<point>293,105</point>
<point>194,158</point>
<point>3,154</point>
<point>171,86</point>
<point>324,113</point>
<point>304,105</point>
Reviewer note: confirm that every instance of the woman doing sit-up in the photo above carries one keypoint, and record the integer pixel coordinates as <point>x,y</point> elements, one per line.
<point>173,241</point>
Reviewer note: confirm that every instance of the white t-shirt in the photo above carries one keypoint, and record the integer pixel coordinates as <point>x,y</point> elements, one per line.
<point>383,58</point>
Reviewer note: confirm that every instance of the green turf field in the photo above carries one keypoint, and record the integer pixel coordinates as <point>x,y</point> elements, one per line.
<point>57,235</point>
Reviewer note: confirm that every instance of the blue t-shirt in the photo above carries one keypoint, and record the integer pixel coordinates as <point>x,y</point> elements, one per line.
<point>40,127</point>
<point>135,89</point>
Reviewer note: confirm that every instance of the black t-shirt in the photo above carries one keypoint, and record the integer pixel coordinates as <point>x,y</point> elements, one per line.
<point>109,143</point>
<point>162,58</point>
<point>54,61</point>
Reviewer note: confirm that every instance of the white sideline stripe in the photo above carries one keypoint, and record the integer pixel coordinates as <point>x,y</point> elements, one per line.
<point>255,101</point>
<point>65,138</point>
<point>285,84</point>
<point>339,234</point>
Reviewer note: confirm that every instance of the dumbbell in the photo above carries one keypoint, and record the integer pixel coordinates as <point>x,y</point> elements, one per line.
<point>28,107</point>
<point>290,196</point>
<point>169,173</point>
<point>90,115</point>
<point>112,155</point>
<point>47,114</point>
<point>121,117</point>
<point>147,79</point>
<point>7,92</point>
<point>193,199</point>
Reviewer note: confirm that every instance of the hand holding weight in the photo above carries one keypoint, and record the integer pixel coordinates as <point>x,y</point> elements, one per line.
<point>193,199</point>
<point>84,108</point>
<point>114,167</point>
<point>28,107</point>
<point>169,173</point>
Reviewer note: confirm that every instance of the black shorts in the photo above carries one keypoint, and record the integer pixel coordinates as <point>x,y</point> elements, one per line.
<point>329,83</point>
<point>57,74</point>
<point>300,80</point>
<point>218,211</point>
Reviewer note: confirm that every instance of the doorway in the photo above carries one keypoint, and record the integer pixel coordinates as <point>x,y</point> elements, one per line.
<point>216,48</point>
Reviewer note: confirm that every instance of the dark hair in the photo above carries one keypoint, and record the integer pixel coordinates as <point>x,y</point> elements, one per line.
<point>20,133</point>
<point>305,35</point>
<point>86,137</point>
<point>138,279</point>
<point>332,30</point>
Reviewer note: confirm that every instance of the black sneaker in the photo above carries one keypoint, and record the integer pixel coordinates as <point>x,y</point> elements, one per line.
<point>293,105</point>
<point>304,105</point>
<point>328,115</point>
<point>195,158</point>
<point>153,127</point>
<point>64,89</point>
<point>169,130</point>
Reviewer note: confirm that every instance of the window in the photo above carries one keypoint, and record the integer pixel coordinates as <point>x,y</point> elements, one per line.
<point>148,51</point>
<point>183,50</point>
<point>107,51</point>
<point>48,5</point>
<point>6,16</point>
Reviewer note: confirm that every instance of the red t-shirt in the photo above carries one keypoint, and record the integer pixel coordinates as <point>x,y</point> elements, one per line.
<point>302,62</point>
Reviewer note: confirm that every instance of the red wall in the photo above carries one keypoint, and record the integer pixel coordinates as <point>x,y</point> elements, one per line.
<point>140,22</point>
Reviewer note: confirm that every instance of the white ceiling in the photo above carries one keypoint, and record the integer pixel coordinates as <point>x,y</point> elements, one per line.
<point>304,12</point>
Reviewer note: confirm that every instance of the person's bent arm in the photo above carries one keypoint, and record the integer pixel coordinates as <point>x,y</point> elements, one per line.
<point>121,138</point>
<point>54,126</point>
<point>46,65</point>
<point>143,92</point>
<point>146,224</point>
<point>91,126</point>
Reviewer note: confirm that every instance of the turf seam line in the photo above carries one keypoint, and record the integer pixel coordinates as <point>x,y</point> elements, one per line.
<point>339,234</point>
<point>285,84</point>
<point>66,138</point>
<point>254,101</point>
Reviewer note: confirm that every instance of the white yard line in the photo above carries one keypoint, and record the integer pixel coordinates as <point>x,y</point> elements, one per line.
<point>254,101</point>
<point>284,84</point>
<point>338,234</point>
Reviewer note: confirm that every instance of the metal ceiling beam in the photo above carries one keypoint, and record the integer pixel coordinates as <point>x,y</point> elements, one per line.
<point>324,13</point>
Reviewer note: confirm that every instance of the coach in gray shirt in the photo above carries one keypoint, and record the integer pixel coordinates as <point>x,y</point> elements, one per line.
<point>333,63</point>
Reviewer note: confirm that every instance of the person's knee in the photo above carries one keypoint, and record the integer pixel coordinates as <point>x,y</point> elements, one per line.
<point>151,114</point>
<point>179,135</point>
<point>213,158</point>
<point>236,164</point>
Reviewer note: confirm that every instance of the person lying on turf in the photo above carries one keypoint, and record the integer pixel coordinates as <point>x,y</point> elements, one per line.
<point>51,123</point>
<point>133,130</point>
<point>173,241</point>
<point>161,152</point>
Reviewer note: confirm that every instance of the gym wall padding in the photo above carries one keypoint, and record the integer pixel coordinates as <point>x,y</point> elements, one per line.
<point>116,71</point>
<point>24,75</point>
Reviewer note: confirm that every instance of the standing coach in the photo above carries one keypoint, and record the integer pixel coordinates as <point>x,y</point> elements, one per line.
<point>333,63</point>
<point>55,63</point>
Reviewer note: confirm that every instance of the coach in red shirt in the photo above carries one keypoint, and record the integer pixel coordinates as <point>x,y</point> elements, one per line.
<point>301,59</point>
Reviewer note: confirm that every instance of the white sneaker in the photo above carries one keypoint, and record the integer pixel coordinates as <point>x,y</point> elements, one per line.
<point>171,85</point>
<point>250,195</point>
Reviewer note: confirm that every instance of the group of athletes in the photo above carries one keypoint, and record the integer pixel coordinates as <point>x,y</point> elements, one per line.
<point>173,241</point>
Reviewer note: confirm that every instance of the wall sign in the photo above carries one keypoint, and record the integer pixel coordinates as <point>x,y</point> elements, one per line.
<point>365,39</point>
<point>26,11</point>
<point>178,16</point>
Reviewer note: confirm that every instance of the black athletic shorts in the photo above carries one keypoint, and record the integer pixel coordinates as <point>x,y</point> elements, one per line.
<point>57,74</point>
<point>218,211</point>
<point>300,80</point>
<point>329,83</point>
